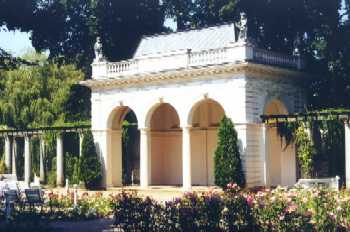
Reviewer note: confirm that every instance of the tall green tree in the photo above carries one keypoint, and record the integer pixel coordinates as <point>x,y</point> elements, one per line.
<point>228,164</point>
<point>90,165</point>
<point>68,28</point>
<point>38,96</point>
<point>121,24</point>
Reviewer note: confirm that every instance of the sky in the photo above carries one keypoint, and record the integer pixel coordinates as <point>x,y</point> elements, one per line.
<point>15,42</point>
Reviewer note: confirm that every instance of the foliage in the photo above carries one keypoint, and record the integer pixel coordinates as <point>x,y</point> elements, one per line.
<point>89,206</point>
<point>36,96</point>
<point>68,29</point>
<point>3,168</point>
<point>130,148</point>
<point>71,168</point>
<point>52,174</point>
<point>228,165</point>
<point>90,165</point>
<point>280,209</point>
<point>305,150</point>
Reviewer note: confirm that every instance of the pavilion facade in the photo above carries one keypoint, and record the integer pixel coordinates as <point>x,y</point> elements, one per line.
<point>179,86</point>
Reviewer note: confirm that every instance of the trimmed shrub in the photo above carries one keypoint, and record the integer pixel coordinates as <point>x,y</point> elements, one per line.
<point>90,166</point>
<point>71,168</point>
<point>3,168</point>
<point>52,175</point>
<point>228,166</point>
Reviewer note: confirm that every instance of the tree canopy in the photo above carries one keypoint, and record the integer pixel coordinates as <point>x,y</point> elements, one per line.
<point>320,29</point>
<point>40,96</point>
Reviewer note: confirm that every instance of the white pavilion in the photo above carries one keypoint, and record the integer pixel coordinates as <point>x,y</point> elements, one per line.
<point>179,86</point>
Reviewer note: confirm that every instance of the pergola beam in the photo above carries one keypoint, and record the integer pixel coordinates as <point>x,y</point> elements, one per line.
<point>322,116</point>
<point>41,130</point>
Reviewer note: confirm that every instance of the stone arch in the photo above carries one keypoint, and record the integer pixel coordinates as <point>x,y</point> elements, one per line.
<point>193,114</point>
<point>204,118</point>
<point>275,107</point>
<point>281,160</point>
<point>116,117</point>
<point>166,145</point>
<point>124,155</point>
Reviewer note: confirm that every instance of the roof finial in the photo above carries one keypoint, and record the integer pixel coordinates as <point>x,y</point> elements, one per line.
<point>98,51</point>
<point>296,45</point>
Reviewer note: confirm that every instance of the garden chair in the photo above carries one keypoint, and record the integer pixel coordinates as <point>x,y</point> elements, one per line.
<point>11,198</point>
<point>34,197</point>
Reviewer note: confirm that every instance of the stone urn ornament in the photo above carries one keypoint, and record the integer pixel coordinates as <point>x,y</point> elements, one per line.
<point>243,28</point>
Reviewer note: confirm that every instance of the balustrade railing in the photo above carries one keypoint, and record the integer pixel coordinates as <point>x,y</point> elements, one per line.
<point>214,56</point>
<point>201,58</point>
<point>272,58</point>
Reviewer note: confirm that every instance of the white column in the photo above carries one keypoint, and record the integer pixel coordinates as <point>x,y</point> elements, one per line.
<point>8,153</point>
<point>347,155</point>
<point>42,154</point>
<point>264,150</point>
<point>14,156</point>
<point>102,140</point>
<point>27,160</point>
<point>81,137</point>
<point>116,150</point>
<point>145,157</point>
<point>59,160</point>
<point>186,158</point>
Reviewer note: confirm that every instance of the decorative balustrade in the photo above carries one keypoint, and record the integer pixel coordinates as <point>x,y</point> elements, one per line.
<point>239,53</point>
<point>122,67</point>
<point>273,58</point>
<point>215,56</point>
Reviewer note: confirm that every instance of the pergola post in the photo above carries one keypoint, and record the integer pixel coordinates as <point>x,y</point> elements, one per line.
<point>145,159</point>
<point>14,156</point>
<point>81,137</point>
<point>27,160</point>
<point>59,160</point>
<point>8,153</point>
<point>42,155</point>
<point>186,158</point>
<point>347,154</point>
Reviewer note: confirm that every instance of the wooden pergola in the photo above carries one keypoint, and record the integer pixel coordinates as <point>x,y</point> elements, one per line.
<point>10,136</point>
<point>343,116</point>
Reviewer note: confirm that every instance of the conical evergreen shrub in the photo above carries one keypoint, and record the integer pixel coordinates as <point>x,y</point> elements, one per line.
<point>90,166</point>
<point>228,165</point>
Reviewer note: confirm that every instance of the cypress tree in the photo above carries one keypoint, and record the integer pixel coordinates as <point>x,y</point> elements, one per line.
<point>90,166</point>
<point>228,166</point>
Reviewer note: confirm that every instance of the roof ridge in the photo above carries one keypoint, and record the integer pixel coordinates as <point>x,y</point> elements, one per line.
<point>189,29</point>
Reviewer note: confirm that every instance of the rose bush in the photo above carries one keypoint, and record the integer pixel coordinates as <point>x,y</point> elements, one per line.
<point>279,209</point>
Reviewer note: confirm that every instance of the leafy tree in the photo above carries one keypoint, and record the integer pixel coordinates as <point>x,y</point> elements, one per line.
<point>68,29</point>
<point>37,96</point>
<point>121,24</point>
<point>228,166</point>
<point>90,166</point>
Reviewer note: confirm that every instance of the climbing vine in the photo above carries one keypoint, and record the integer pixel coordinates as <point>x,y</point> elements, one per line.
<point>305,150</point>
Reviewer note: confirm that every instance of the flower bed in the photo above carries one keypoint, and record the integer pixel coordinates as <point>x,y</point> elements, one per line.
<point>60,206</point>
<point>235,210</point>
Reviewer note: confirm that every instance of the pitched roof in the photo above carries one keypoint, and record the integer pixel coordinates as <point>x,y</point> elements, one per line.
<point>196,40</point>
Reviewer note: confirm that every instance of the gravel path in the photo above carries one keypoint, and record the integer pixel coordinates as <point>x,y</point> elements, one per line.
<point>97,225</point>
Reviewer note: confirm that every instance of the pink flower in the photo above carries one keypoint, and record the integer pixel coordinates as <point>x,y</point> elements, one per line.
<point>249,200</point>
<point>291,208</point>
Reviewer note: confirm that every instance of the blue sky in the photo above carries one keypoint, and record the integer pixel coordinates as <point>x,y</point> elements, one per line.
<point>15,42</point>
